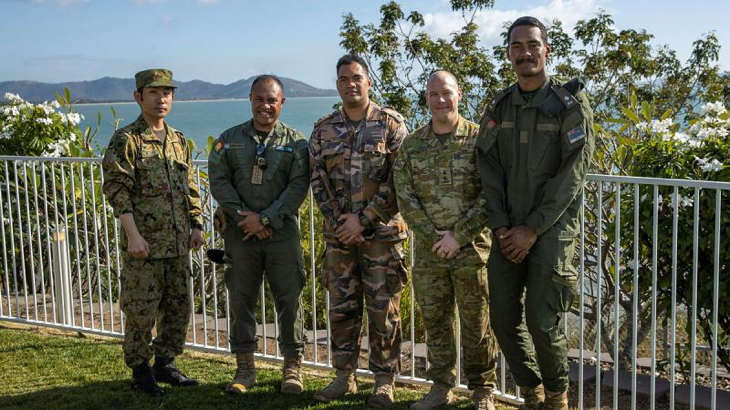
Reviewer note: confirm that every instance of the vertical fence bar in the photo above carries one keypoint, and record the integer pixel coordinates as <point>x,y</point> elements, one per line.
<point>63,249</point>
<point>654,252</point>
<point>204,302</point>
<point>695,263</point>
<point>119,272</point>
<point>616,282</point>
<point>76,240</point>
<point>457,337</point>
<point>5,252</point>
<point>49,252</point>
<point>599,276</point>
<point>412,325</point>
<point>634,323</point>
<point>673,336</point>
<point>312,268</point>
<point>86,245</point>
<point>20,239</point>
<point>105,215</point>
<point>581,291</point>
<point>276,331</point>
<point>56,229</point>
<point>263,314</point>
<point>715,297</point>
<point>30,243</point>
<point>12,243</point>
<point>92,187</point>
<point>34,176</point>
<point>192,301</point>
<point>213,269</point>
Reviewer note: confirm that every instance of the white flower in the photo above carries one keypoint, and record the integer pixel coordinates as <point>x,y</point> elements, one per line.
<point>642,126</point>
<point>659,127</point>
<point>73,118</point>
<point>684,201</point>
<point>5,135</point>
<point>631,264</point>
<point>55,149</point>
<point>13,97</point>
<point>707,165</point>
<point>715,108</point>
<point>45,121</point>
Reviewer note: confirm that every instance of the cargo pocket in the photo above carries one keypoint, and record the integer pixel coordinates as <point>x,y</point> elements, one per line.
<point>397,276</point>
<point>565,278</point>
<point>151,176</point>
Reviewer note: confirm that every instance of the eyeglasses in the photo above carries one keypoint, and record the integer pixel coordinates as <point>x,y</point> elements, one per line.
<point>260,160</point>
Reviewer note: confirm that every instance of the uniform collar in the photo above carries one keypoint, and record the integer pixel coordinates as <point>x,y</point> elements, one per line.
<point>537,99</point>
<point>461,131</point>
<point>146,132</point>
<point>250,131</point>
<point>372,113</point>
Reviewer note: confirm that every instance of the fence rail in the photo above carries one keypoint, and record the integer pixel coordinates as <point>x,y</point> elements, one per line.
<point>651,324</point>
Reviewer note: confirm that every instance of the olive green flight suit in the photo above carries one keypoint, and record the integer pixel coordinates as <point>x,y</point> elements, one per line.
<point>533,158</point>
<point>283,189</point>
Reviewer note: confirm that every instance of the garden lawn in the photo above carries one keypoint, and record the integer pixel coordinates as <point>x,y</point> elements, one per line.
<point>51,369</point>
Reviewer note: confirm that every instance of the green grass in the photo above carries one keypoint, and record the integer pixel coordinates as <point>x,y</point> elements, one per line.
<point>54,370</point>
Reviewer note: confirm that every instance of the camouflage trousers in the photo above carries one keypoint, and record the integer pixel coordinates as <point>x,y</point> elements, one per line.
<point>441,285</point>
<point>526,303</point>
<point>154,290</point>
<point>374,271</point>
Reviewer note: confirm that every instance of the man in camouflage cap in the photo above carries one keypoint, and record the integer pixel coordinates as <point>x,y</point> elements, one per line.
<point>534,149</point>
<point>352,151</point>
<point>438,189</point>
<point>259,174</point>
<point>148,180</point>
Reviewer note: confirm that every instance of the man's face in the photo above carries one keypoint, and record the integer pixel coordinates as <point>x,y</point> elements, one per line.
<point>267,99</point>
<point>155,102</point>
<point>353,84</point>
<point>442,97</point>
<point>527,52</point>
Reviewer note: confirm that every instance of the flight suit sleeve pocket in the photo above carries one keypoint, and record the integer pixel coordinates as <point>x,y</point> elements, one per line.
<point>397,275</point>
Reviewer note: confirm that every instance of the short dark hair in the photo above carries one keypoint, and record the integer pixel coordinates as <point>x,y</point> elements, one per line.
<point>348,59</point>
<point>527,21</point>
<point>267,77</point>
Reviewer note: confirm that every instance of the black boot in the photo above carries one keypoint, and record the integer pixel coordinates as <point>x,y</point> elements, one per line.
<point>142,379</point>
<point>166,372</point>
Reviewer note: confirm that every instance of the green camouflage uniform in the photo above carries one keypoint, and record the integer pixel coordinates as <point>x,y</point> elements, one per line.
<point>283,189</point>
<point>438,188</point>
<point>352,172</point>
<point>533,159</point>
<point>155,183</point>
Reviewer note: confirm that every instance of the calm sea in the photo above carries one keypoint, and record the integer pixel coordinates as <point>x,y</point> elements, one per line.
<point>200,119</point>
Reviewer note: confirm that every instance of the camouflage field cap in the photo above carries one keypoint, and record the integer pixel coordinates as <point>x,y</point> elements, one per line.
<point>154,77</point>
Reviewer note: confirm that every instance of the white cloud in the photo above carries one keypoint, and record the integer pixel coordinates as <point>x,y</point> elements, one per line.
<point>491,22</point>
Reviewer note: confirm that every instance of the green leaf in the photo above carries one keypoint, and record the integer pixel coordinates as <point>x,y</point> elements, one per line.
<point>631,115</point>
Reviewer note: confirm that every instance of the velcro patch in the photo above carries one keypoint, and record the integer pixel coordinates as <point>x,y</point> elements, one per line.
<point>576,134</point>
<point>491,123</point>
<point>218,146</point>
<point>284,149</point>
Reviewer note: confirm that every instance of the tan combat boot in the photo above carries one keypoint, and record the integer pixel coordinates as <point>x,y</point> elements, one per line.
<point>245,376</point>
<point>439,395</point>
<point>555,401</point>
<point>343,384</point>
<point>291,380</point>
<point>383,392</point>
<point>534,397</point>
<point>482,398</point>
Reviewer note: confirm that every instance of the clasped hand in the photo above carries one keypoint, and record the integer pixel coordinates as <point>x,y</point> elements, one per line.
<point>349,230</point>
<point>447,247</point>
<point>516,242</point>
<point>251,226</point>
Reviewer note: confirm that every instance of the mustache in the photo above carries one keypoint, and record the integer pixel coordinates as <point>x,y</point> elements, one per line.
<point>526,60</point>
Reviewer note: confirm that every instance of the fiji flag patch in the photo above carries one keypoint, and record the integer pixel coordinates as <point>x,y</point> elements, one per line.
<point>576,134</point>
<point>218,146</point>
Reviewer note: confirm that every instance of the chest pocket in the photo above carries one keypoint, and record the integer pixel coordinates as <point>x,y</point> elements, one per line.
<point>151,173</point>
<point>280,159</point>
<point>182,172</point>
<point>544,152</point>
<point>375,155</point>
<point>243,157</point>
<point>333,155</point>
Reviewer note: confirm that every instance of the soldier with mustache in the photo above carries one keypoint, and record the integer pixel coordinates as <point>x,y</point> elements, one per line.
<point>534,147</point>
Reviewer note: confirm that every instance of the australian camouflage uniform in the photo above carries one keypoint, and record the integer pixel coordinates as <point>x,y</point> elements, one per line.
<point>239,181</point>
<point>352,173</point>
<point>533,158</point>
<point>438,189</point>
<point>154,181</point>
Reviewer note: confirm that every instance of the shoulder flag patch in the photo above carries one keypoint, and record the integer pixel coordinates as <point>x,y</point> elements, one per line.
<point>218,146</point>
<point>576,134</point>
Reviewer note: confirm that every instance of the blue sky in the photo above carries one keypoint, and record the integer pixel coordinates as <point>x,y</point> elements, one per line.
<point>225,40</point>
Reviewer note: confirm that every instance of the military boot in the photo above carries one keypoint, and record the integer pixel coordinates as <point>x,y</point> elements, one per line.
<point>165,371</point>
<point>383,393</point>
<point>142,379</point>
<point>343,384</point>
<point>439,395</point>
<point>291,380</point>
<point>534,397</point>
<point>482,398</point>
<point>555,401</point>
<point>245,376</point>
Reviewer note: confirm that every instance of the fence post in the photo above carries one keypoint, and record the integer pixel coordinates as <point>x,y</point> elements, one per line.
<point>62,276</point>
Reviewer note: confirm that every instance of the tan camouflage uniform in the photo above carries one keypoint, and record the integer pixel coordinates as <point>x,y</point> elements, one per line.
<point>154,182</point>
<point>438,188</point>
<point>352,172</point>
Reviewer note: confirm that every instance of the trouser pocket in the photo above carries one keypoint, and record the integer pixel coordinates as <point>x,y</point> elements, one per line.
<point>397,275</point>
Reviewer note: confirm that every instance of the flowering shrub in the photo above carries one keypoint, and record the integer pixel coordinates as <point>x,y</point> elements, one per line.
<point>45,129</point>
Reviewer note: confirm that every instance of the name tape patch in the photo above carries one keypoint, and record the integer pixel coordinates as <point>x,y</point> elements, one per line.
<point>284,149</point>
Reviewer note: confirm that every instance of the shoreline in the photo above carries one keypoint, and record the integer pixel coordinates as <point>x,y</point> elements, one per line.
<point>185,101</point>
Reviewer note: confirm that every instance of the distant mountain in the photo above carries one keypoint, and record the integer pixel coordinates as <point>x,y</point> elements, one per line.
<point>109,89</point>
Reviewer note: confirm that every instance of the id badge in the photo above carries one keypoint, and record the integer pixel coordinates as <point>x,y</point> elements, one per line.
<point>257,176</point>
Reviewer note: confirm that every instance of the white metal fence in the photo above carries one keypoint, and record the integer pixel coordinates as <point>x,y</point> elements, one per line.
<point>651,326</point>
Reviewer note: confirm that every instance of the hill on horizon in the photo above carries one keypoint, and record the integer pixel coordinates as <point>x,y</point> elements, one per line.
<point>111,89</point>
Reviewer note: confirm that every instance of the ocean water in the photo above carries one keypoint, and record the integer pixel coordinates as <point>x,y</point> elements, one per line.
<point>200,119</point>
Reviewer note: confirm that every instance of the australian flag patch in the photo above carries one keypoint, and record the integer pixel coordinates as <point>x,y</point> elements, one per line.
<point>576,134</point>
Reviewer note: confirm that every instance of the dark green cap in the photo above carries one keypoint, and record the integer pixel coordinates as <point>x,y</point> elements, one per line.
<point>154,77</point>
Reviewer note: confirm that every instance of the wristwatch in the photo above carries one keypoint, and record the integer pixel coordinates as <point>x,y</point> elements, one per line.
<point>365,221</point>
<point>265,221</point>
